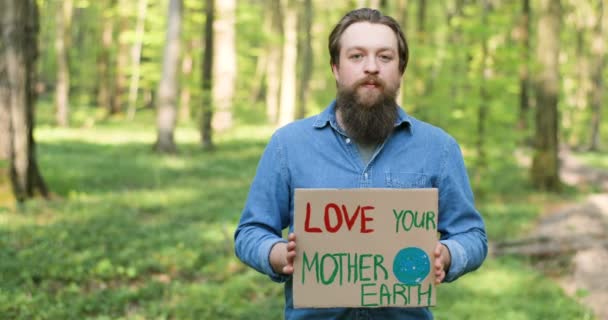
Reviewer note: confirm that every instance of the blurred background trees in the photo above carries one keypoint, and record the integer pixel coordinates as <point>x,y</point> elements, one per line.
<point>498,75</point>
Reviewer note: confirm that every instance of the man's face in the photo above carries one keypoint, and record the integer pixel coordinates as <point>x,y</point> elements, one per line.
<point>368,78</point>
<point>369,62</point>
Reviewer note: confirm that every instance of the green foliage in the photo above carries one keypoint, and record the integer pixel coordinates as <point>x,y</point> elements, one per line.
<point>133,235</point>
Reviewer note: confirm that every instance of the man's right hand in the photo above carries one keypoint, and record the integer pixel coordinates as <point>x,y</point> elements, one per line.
<point>282,255</point>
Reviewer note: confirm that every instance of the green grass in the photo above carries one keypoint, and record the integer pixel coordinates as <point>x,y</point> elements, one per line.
<point>595,159</point>
<point>133,235</point>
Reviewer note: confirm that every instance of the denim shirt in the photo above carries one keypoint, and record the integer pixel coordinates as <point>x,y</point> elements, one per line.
<point>316,153</point>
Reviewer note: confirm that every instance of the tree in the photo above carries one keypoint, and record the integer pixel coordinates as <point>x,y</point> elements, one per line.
<point>288,78</point>
<point>19,20</point>
<point>62,45</point>
<point>305,46</point>
<point>122,59</point>
<point>207,78</point>
<point>524,74</point>
<point>274,28</point>
<point>545,165</point>
<point>167,89</point>
<point>224,64</point>
<point>598,52</point>
<point>105,86</point>
<point>136,56</point>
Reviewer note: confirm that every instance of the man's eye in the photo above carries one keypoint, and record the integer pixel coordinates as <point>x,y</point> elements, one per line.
<point>386,58</point>
<point>356,56</point>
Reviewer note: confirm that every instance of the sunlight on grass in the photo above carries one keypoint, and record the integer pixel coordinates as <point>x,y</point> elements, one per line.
<point>594,159</point>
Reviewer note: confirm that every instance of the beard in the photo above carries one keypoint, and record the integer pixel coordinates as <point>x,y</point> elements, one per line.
<point>368,117</point>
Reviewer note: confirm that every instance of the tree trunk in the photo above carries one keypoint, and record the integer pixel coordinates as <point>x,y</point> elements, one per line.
<point>136,57</point>
<point>524,73</point>
<point>484,99</point>
<point>305,46</point>
<point>167,89</point>
<point>598,52</point>
<point>122,59</point>
<point>104,75</point>
<point>545,165</point>
<point>207,78</point>
<point>62,45</point>
<point>273,70</point>
<point>19,20</point>
<point>185,94</point>
<point>224,66</point>
<point>288,78</point>
<point>5,114</point>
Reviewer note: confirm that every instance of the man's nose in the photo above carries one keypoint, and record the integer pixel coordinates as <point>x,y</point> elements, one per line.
<point>371,65</point>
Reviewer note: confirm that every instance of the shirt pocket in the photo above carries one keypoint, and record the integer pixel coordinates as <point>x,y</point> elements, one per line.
<point>407,180</point>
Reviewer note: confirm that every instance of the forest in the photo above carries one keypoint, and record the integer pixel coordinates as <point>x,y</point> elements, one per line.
<point>130,132</point>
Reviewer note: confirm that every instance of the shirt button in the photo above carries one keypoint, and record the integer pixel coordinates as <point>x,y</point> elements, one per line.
<point>347,140</point>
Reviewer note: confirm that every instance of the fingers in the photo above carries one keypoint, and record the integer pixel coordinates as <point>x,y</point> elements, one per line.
<point>438,267</point>
<point>291,254</point>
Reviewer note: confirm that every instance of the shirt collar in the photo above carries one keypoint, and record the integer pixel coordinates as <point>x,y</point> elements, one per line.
<point>328,116</point>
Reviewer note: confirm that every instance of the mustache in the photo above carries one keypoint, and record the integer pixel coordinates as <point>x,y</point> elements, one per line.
<point>370,80</point>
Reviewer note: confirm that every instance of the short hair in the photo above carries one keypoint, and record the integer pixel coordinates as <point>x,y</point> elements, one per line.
<point>371,16</point>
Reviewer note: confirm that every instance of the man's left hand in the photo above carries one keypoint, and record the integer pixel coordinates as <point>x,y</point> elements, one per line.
<point>442,262</point>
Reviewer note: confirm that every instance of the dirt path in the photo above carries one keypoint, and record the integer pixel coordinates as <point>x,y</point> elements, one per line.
<point>580,232</point>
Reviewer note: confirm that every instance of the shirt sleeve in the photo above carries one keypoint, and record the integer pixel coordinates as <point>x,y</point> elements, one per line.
<point>460,224</point>
<point>266,212</point>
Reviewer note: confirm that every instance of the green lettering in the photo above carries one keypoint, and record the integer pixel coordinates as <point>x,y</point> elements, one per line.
<point>378,260</point>
<point>427,293</point>
<point>333,274</point>
<point>397,216</point>
<point>430,218</point>
<point>418,223</point>
<point>363,294</point>
<point>405,214</point>
<point>352,268</point>
<point>306,265</point>
<point>340,255</point>
<point>399,289</point>
<point>384,292</point>
<point>362,266</point>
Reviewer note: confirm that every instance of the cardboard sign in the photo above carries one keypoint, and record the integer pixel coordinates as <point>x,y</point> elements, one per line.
<point>365,247</point>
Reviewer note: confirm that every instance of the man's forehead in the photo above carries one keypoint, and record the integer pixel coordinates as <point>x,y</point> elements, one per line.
<point>368,35</point>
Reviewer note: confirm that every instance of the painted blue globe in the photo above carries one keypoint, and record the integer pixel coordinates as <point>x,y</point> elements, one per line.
<point>411,266</point>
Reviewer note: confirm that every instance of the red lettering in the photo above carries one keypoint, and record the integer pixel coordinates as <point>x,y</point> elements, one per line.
<point>328,226</point>
<point>334,217</point>
<point>364,219</point>
<point>307,227</point>
<point>350,222</point>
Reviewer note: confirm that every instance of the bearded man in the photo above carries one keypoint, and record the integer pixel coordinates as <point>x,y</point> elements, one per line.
<point>363,139</point>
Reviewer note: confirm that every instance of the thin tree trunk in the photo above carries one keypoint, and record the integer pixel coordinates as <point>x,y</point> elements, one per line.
<point>185,94</point>
<point>136,57</point>
<point>524,73</point>
<point>306,57</point>
<point>273,70</point>
<point>207,78</point>
<point>104,75</point>
<point>545,165</point>
<point>122,59</point>
<point>484,99</point>
<point>224,66</point>
<point>288,78</point>
<point>19,20</point>
<point>598,51</point>
<point>5,115</point>
<point>167,89</point>
<point>62,45</point>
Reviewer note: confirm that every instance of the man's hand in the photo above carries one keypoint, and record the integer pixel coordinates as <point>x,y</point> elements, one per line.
<point>282,255</point>
<point>442,262</point>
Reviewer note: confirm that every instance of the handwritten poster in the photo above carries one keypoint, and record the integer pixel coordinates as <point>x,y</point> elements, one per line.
<point>365,247</point>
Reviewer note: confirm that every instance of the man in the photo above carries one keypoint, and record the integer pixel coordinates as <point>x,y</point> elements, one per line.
<point>362,140</point>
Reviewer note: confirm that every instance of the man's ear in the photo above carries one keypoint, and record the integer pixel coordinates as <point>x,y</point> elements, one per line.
<point>334,70</point>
